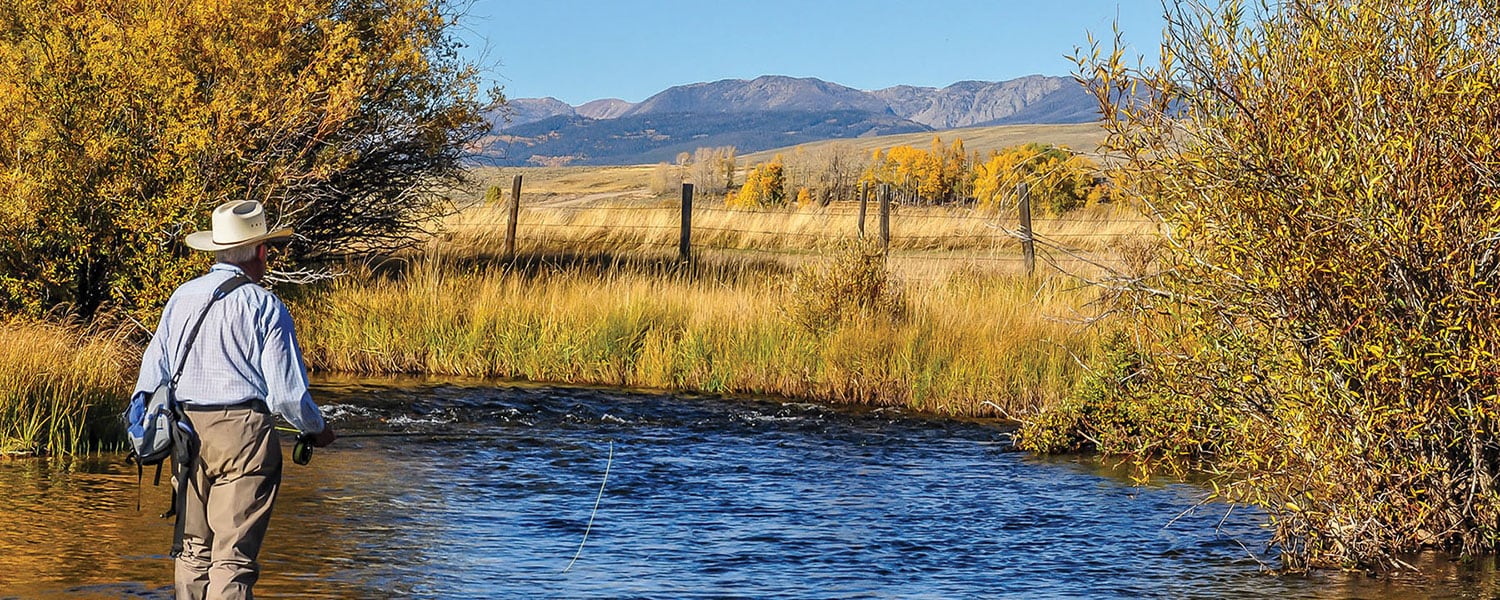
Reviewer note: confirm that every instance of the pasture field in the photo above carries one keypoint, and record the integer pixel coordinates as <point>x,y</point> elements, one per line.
<point>1079,137</point>
<point>596,294</point>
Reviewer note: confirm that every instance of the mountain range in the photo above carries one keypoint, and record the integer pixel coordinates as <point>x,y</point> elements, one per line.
<point>762,113</point>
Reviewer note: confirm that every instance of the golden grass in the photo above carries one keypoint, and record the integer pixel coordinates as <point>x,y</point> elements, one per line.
<point>547,184</point>
<point>1081,137</point>
<point>979,346</point>
<point>928,242</point>
<point>607,225</point>
<point>60,387</point>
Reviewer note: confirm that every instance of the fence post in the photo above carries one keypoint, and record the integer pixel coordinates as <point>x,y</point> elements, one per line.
<point>864,201</point>
<point>515,211</point>
<point>685,244</point>
<point>885,219</point>
<point>1028,248</point>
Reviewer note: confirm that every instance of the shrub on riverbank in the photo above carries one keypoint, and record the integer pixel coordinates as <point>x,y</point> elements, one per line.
<point>1323,328</point>
<point>60,388</point>
<point>969,346</point>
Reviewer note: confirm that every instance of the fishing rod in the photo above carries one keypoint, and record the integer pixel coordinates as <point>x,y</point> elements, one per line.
<point>302,451</point>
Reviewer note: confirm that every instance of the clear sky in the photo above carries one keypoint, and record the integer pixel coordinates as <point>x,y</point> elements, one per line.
<point>582,50</point>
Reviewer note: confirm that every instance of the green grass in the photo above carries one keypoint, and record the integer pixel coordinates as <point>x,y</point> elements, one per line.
<point>60,388</point>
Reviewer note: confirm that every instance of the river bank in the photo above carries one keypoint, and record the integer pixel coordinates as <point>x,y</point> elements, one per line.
<point>981,345</point>
<point>969,346</point>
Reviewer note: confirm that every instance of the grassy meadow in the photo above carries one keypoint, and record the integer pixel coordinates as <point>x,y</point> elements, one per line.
<point>1080,137</point>
<point>975,346</point>
<point>595,295</point>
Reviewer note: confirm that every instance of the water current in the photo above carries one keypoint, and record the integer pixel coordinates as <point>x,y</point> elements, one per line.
<point>488,489</point>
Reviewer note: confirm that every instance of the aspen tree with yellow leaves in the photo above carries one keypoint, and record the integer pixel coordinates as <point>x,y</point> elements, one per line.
<point>123,123</point>
<point>765,185</point>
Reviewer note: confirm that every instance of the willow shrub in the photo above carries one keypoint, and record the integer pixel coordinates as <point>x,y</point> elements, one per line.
<point>1323,330</point>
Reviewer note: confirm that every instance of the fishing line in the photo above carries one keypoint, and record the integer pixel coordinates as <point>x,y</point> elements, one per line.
<point>608,464</point>
<point>590,526</point>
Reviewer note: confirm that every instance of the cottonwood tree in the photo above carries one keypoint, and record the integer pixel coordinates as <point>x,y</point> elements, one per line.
<point>123,123</point>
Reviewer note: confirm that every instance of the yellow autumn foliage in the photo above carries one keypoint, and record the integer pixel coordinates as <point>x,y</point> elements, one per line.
<point>1322,324</point>
<point>123,123</point>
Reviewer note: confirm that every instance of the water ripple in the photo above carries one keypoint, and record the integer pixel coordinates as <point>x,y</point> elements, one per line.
<point>706,498</point>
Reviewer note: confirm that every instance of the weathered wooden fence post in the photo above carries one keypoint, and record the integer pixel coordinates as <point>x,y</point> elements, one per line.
<point>515,212</point>
<point>685,244</point>
<point>1028,248</point>
<point>885,219</point>
<point>864,201</point>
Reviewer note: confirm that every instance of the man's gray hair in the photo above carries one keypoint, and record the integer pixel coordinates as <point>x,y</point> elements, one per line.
<point>237,256</point>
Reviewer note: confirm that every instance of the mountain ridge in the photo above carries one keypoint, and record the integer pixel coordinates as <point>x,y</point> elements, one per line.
<point>737,112</point>
<point>960,104</point>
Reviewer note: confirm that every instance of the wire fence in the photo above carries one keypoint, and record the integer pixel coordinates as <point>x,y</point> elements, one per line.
<point>928,235</point>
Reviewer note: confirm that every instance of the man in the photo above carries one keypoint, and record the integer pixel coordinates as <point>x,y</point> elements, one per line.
<point>243,367</point>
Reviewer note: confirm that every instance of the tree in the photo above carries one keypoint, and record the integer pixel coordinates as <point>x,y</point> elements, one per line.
<point>1057,179</point>
<point>123,124</point>
<point>665,179</point>
<point>708,172</point>
<point>940,175</point>
<point>1324,322</point>
<point>765,185</point>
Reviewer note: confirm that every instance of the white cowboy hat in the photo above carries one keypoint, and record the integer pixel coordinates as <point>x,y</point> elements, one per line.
<point>236,223</point>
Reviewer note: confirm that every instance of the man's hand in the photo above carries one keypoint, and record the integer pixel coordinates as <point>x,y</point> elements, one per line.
<point>325,437</point>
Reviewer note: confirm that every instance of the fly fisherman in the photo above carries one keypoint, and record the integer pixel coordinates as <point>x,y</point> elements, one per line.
<point>241,369</point>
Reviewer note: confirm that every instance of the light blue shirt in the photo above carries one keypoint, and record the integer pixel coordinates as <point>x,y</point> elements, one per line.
<point>246,350</point>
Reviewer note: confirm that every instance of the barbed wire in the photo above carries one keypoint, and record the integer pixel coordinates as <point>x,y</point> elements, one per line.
<point>874,214</point>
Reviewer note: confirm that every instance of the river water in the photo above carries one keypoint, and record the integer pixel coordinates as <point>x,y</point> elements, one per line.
<point>706,497</point>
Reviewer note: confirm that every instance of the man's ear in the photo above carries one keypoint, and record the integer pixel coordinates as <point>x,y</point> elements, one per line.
<point>262,252</point>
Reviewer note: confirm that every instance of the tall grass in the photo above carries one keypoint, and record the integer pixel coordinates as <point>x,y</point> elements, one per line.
<point>60,388</point>
<point>973,346</point>
<point>624,226</point>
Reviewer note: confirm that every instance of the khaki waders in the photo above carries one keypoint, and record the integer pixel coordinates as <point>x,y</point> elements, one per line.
<point>228,490</point>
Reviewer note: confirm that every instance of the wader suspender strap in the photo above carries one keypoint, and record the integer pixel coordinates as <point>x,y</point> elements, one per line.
<point>183,444</point>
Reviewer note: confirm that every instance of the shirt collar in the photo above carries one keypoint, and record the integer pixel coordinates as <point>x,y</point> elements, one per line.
<point>226,267</point>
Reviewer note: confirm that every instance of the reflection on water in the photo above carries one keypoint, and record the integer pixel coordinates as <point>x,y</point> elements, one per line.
<point>706,497</point>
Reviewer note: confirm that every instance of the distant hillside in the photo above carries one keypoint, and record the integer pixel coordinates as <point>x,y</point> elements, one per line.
<point>520,111</point>
<point>773,111</point>
<point>649,138</point>
<point>1082,137</point>
<point>607,108</point>
<point>1033,100</point>
<point>768,93</point>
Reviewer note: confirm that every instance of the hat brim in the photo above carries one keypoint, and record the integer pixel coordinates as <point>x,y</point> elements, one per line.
<point>204,240</point>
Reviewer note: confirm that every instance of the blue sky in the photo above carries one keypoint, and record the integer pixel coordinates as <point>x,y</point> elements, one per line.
<point>582,50</point>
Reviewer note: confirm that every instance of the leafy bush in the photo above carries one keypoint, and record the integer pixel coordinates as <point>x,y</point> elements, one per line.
<point>122,126</point>
<point>852,284</point>
<point>1324,325</point>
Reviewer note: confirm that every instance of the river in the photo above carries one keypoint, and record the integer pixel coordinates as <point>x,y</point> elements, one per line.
<point>489,489</point>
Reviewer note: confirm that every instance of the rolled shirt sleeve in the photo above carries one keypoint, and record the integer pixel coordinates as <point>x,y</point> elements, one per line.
<point>285,373</point>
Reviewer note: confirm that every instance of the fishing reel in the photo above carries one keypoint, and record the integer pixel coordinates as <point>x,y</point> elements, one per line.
<point>302,451</point>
